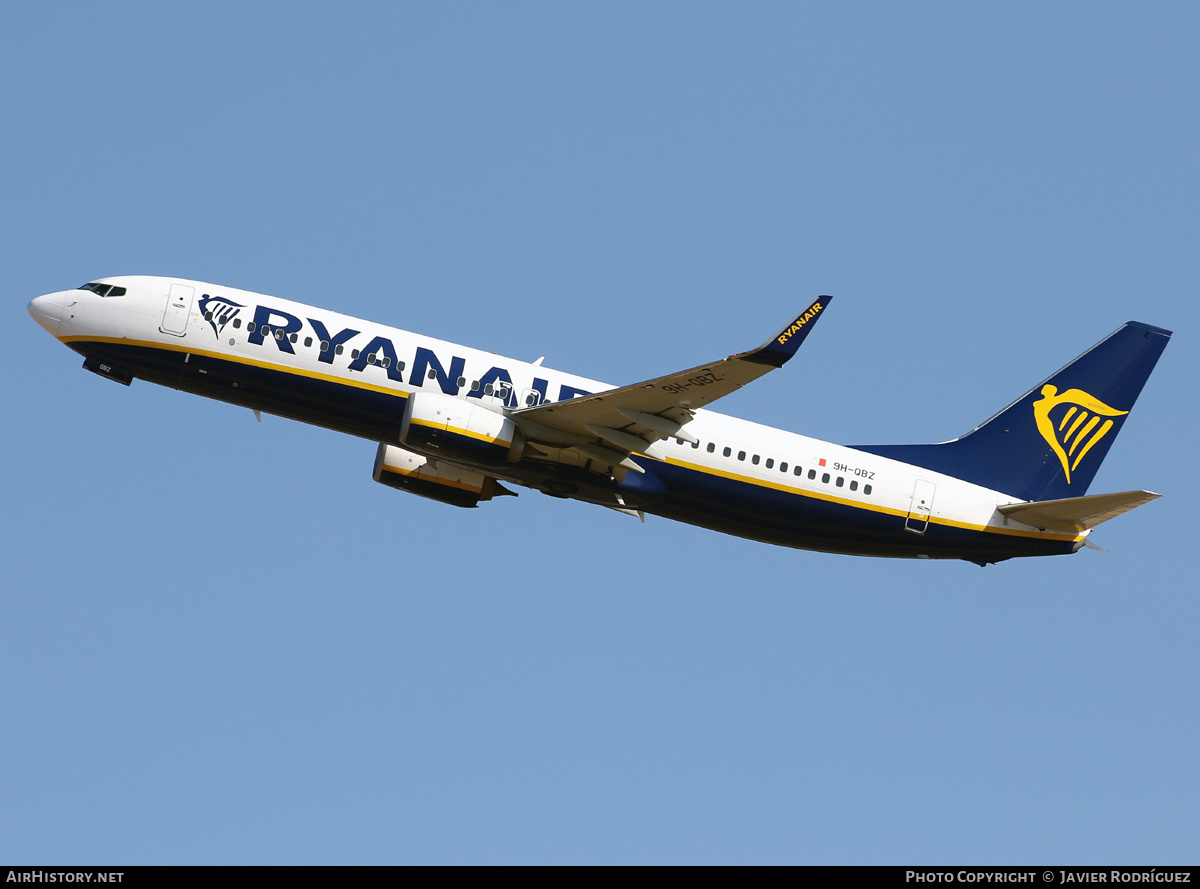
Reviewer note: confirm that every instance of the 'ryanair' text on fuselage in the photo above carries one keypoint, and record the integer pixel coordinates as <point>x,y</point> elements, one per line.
<point>380,352</point>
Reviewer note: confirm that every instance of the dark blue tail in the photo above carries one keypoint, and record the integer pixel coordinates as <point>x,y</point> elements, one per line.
<point>1049,443</point>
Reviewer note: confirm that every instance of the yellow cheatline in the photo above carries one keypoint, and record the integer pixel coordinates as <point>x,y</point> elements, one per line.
<point>462,486</point>
<point>402,393</point>
<point>465,432</point>
<point>870,507</point>
<point>395,389</point>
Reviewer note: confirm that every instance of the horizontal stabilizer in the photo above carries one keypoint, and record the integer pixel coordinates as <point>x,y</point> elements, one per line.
<point>1076,513</point>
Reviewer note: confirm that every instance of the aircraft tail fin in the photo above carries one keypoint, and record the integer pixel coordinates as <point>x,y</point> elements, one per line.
<point>1048,444</point>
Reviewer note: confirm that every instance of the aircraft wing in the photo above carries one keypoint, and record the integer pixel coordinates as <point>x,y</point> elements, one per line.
<point>608,426</point>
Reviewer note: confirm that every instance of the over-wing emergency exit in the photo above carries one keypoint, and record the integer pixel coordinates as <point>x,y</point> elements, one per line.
<point>456,425</point>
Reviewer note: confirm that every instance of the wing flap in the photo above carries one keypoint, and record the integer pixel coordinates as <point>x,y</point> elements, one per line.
<point>1076,513</point>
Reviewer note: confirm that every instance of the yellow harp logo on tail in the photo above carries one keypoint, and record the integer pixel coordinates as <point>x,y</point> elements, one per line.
<point>1074,431</point>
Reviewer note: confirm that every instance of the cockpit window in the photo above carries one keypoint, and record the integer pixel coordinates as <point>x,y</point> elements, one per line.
<point>104,289</point>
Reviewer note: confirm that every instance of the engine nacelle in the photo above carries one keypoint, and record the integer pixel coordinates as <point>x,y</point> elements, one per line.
<point>400,468</point>
<point>442,425</point>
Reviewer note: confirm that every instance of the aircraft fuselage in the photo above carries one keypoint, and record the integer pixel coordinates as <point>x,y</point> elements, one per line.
<point>357,377</point>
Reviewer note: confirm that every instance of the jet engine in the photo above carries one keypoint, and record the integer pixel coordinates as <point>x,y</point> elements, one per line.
<point>441,425</point>
<point>400,468</point>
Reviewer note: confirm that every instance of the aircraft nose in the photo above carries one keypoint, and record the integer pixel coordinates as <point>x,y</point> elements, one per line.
<point>47,311</point>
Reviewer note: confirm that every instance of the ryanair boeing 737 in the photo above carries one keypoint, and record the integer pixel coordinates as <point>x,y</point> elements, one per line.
<point>455,424</point>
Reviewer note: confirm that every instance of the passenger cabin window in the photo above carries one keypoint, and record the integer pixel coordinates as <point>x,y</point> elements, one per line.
<point>324,345</point>
<point>294,337</point>
<point>770,463</point>
<point>354,354</point>
<point>307,342</point>
<point>339,350</point>
<point>754,459</point>
<point>799,470</point>
<point>727,451</point>
<point>741,455</point>
<point>840,481</point>
<point>237,322</point>
<point>853,485</point>
<point>711,447</point>
<point>782,466</point>
<point>825,478</point>
<point>812,473</point>
<point>866,489</point>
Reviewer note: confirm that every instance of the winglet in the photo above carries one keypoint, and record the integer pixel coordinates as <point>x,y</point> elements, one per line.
<point>779,348</point>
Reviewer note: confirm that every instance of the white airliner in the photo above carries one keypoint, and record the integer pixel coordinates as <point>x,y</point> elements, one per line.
<point>454,423</point>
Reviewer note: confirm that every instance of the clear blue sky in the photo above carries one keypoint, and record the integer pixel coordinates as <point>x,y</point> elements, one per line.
<point>222,642</point>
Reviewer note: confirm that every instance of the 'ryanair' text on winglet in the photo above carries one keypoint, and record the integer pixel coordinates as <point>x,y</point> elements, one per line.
<point>777,350</point>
